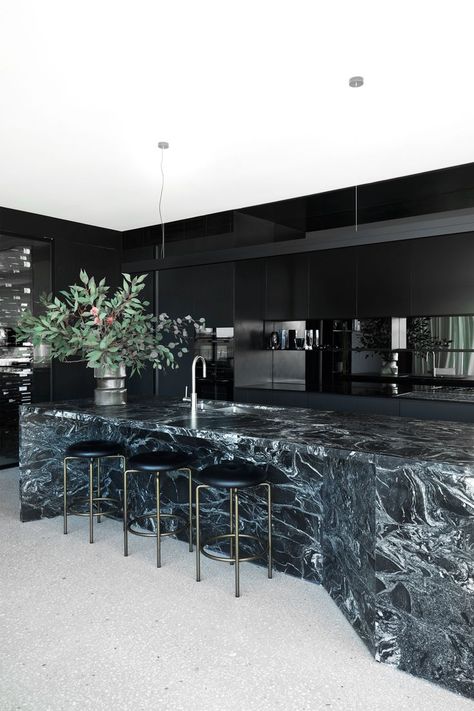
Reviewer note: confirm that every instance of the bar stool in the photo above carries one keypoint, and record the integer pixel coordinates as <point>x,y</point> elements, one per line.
<point>157,463</point>
<point>235,476</point>
<point>93,451</point>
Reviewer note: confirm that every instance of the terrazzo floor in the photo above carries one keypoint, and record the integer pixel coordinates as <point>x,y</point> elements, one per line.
<point>83,628</point>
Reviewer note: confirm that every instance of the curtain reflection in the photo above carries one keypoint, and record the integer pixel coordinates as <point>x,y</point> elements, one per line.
<point>459,330</point>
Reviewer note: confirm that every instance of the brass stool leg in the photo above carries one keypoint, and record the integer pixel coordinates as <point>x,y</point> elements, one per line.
<point>190,518</point>
<point>231,516</point>
<point>269,505</point>
<point>198,532</point>
<point>237,551</point>
<point>158,521</point>
<point>91,501</point>
<point>65,493</point>
<point>124,466</point>
<point>125,513</point>
<point>99,518</point>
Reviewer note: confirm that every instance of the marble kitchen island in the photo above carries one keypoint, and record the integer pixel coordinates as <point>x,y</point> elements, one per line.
<point>378,510</point>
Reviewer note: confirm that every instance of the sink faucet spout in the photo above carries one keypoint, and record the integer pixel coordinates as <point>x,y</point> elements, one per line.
<point>193,382</point>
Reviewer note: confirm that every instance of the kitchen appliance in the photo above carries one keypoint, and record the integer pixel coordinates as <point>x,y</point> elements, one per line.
<point>216,345</point>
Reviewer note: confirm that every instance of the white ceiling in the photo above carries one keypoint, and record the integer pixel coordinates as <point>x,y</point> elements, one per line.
<point>253,97</point>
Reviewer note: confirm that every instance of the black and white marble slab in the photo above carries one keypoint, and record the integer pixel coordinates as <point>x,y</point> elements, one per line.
<point>441,393</point>
<point>378,510</point>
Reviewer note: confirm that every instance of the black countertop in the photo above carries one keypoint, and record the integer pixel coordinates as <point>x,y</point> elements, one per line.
<point>431,441</point>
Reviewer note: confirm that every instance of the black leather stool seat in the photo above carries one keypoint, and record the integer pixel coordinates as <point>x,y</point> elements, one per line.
<point>160,461</point>
<point>233,474</point>
<point>94,448</point>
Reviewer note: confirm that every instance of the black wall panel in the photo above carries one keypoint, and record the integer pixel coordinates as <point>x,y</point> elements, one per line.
<point>443,275</point>
<point>253,364</point>
<point>333,283</point>
<point>74,246</point>
<point>384,279</point>
<point>203,292</point>
<point>287,288</point>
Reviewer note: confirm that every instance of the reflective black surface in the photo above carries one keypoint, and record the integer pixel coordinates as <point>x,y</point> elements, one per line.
<point>24,275</point>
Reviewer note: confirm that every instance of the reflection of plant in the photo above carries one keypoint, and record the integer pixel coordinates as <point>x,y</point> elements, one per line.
<point>419,336</point>
<point>102,330</point>
<point>376,336</point>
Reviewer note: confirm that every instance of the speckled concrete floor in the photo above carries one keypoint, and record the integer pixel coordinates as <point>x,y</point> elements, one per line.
<point>82,627</point>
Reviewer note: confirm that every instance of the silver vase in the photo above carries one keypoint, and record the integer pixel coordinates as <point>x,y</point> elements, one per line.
<point>110,388</point>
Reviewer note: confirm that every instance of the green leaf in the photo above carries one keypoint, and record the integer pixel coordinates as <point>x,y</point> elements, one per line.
<point>83,277</point>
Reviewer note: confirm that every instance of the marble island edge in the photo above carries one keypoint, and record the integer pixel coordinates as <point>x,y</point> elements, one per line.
<point>381,512</point>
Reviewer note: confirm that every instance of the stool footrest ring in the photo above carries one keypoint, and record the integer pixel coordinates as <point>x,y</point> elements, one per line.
<point>115,506</point>
<point>152,534</point>
<point>229,559</point>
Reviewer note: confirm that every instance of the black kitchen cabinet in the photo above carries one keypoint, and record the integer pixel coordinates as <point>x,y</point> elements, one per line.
<point>384,279</point>
<point>332,283</point>
<point>203,292</point>
<point>443,275</point>
<point>253,364</point>
<point>287,288</point>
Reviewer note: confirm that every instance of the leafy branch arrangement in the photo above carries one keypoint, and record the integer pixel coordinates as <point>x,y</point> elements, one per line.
<point>86,325</point>
<point>376,336</point>
<point>420,338</point>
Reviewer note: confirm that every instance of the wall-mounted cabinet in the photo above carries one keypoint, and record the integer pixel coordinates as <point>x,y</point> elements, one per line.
<point>252,363</point>
<point>287,287</point>
<point>204,292</point>
<point>443,275</point>
<point>384,279</point>
<point>333,283</point>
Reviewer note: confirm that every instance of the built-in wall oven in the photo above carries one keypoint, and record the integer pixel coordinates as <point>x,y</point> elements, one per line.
<point>216,345</point>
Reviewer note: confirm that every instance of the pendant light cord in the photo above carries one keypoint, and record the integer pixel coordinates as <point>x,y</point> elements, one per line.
<point>162,250</point>
<point>356,209</point>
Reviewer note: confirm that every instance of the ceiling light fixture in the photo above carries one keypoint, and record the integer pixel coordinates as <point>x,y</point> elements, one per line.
<point>162,145</point>
<point>356,82</point>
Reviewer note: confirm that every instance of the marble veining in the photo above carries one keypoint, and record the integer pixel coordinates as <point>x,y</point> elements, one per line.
<point>439,392</point>
<point>379,511</point>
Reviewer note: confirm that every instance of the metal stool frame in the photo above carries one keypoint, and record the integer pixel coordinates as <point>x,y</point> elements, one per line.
<point>128,525</point>
<point>93,500</point>
<point>234,536</point>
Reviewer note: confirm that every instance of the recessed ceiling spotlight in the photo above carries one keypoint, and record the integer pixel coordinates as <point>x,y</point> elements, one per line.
<point>355,82</point>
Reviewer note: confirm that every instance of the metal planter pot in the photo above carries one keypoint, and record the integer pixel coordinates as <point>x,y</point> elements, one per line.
<point>110,388</point>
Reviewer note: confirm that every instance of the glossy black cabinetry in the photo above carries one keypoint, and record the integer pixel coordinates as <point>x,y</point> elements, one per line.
<point>25,272</point>
<point>443,275</point>
<point>252,362</point>
<point>333,283</point>
<point>384,279</point>
<point>202,291</point>
<point>287,287</point>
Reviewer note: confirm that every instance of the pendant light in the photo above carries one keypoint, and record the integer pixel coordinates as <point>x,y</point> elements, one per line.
<point>355,83</point>
<point>162,145</point>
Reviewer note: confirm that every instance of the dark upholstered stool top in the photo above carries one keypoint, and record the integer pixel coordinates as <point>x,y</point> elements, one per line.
<point>94,448</point>
<point>160,461</point>
<point>232,474</point>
